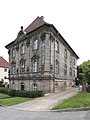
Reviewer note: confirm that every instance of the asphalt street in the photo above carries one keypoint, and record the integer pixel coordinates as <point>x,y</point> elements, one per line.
<point>12,114</point>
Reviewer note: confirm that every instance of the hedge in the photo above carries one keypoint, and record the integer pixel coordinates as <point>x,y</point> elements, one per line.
<point>3,90</point>
<point>19,93</point>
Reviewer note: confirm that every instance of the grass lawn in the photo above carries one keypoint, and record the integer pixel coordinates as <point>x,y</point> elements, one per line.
<point>13,100</point>
<point>80,100</point>
<point>3,95</point>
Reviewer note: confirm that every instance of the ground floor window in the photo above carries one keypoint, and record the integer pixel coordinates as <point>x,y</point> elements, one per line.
<point>22,86</point>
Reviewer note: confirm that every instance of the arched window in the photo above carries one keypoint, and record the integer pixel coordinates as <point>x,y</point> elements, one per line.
<point>35,44</point>
<point>56,66</point>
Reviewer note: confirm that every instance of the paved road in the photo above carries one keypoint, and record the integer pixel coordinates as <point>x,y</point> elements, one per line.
<point>12,114</point>
<point>47,102</point>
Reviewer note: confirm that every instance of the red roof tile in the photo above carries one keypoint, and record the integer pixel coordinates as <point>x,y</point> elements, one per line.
<point>3,63</point>
<point>39,21</point>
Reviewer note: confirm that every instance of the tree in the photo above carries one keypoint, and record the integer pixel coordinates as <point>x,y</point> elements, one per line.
<point>84,74</point>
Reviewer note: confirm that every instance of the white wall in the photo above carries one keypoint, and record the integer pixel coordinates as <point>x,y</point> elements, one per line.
<point>4,74</point>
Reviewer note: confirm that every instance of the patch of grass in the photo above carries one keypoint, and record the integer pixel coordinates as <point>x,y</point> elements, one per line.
<point>80,100</point>
<point>13,101</point>
<point>3,95</point>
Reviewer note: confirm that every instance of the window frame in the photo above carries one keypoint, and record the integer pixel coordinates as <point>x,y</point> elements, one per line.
<point>56,46</point>
<point>70,71</point>
<point>13,53</point>
<point>35,44</point>
<point>65,55</point>
<point>35,65</point>
<point>22,49</point>
<point>22,67</point>
<point>56,66</point>
<point>65,70</point>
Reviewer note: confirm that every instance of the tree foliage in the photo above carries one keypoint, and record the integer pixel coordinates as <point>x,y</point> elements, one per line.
<point>84,74</point>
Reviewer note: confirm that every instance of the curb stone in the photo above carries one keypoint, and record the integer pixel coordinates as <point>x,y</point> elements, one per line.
<point>72,109</point>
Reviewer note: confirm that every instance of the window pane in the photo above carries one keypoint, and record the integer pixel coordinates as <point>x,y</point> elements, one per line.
<point>22,49</point>
<point>35,45</point>
<point>35,65</point>
<point>56,46</point>
<point>13,53</point>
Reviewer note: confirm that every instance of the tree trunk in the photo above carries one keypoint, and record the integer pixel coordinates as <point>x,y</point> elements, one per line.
<point>84,86</point>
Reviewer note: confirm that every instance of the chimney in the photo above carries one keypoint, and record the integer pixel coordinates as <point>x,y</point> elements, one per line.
<point>42,17</point>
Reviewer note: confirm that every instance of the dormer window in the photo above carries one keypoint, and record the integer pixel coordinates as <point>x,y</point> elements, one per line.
<point>35,44</point>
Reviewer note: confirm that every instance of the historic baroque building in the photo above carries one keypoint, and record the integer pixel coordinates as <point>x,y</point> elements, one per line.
<point>41,59</point>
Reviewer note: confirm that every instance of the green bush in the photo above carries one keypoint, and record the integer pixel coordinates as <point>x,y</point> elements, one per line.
<point>11,92</point>
<point>29,94</point>
<point>88,88</point>
<point>3,90</point>
<point>19,93</point>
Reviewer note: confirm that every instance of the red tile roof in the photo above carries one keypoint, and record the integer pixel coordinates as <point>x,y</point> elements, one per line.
<point>3,63</point>
<point>39,21</point>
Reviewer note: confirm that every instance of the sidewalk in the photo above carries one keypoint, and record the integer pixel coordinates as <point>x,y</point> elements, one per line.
<point>47,102</point>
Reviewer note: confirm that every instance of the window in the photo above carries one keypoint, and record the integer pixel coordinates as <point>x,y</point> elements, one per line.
<point>65,69</point>
<point>5,70</point>
<point>22,66</point>
<point>56,46</point>
<point>73,73</point>
<point>5,77</point>
<point>70,71</point>
<point>13,69</point>
<point>65,55</point>
<point>34,87</point>
<point>74,62</point>
<point>35,65</point>
<point>35,44</point>
<point>56,66</point>
<point>70,59</point>
<point>22,49</point>
<point>13,53</point>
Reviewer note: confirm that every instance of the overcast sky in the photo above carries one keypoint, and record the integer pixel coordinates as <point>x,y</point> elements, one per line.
<point>70,17</point>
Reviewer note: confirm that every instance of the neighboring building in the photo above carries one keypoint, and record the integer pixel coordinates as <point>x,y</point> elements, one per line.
<point>41,59</point>
<point>4,67</point>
